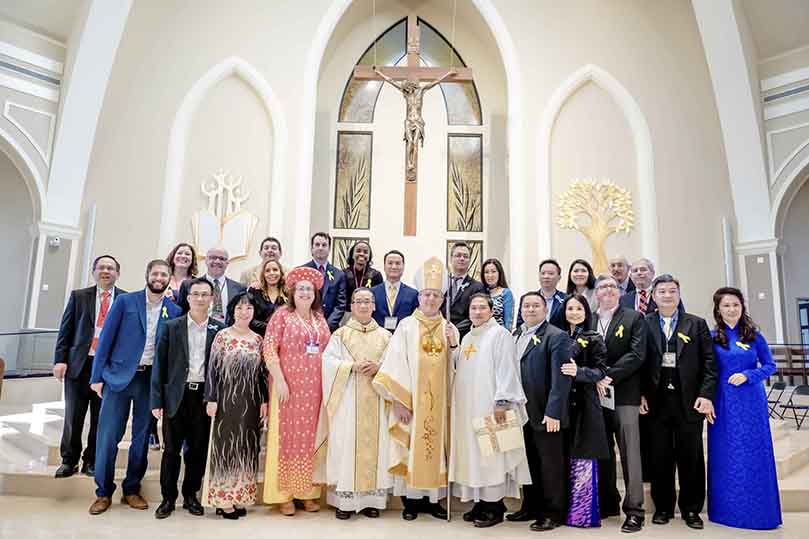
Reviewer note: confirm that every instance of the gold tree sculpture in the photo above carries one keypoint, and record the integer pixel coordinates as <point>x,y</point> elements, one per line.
<point>597,209</point>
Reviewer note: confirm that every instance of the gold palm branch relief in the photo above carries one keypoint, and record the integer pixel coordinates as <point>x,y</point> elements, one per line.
<point>354,196</point>
<point>467,206</point>
<point>597,209</point>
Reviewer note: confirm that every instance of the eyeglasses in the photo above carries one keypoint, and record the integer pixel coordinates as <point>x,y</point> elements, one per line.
<point>605,286</point>
<point>200,295</point>
<point>214,258</point>
<point>304,288</point>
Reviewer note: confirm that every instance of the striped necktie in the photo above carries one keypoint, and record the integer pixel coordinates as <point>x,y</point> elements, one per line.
<point>643,302</point>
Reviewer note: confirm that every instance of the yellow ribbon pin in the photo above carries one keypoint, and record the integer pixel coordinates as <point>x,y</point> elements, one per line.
<point>535,339</point>
<point>330,274</point>
<point>582,342</point>
<point>368,283</point>
<point>685,338</point>
<point>165,313</point>
<point>743,346</point>
<point>620,332</point>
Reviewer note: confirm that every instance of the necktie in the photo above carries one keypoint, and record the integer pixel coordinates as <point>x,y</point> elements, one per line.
<point>216,310</point>
<point>102,315</point>
<point>643,302</point>
<point>667,328</point>
<point>391,298</point>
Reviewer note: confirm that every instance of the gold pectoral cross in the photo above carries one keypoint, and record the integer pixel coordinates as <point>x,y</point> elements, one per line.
<point>469,350</point>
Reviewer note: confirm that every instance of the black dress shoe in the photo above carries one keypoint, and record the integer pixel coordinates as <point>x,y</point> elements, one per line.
<point>342,515</point>
<point>88,469</point>
<point>487,519</point>
<point>65,470</point>
<point>693,521</point>
<point>437,511</point>
<point>370,512</point>
<point>632,524</point>
<point>661,517</point>
<point>193,506</point>
<point>164,510</point>
<point>473,514</point>
<point>545,524</point>
<point>233,515</point>
<point>409,514</point>
<point>523,515</point>
<point>241,511</point>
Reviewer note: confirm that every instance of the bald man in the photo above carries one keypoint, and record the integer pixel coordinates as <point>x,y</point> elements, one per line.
<point>216,262</point>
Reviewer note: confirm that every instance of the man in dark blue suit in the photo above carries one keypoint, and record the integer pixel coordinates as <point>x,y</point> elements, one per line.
<point>76,344</point>
<point>121,377</point>
<point>333,294</point>
<point>394,299</point>
<point>550,273</point>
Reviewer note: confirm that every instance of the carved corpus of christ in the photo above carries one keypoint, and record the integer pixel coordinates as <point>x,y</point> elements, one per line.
<point>413,93</point>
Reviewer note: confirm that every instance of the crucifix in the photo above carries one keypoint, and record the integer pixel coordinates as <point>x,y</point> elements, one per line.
<point>408,81</point>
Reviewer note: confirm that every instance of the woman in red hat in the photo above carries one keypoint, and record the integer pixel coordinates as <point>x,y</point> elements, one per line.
<point>296,336</point>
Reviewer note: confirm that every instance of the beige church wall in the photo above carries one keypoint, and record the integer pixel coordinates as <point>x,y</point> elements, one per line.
<point>784,63</point>
<point>231,132</point>
<point>654,50</point>
<point>166,48</point>
<point>23,38</point>
<point>795,259</point>
<point>476,46</point>
<point>591,139</point>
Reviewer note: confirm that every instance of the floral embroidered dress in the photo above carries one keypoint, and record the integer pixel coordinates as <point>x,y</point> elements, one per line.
<point>237,382</point>
<point>292,455</point>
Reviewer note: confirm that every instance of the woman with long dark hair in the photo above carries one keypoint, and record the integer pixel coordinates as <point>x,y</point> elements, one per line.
<point>359,272</point>
<point>269,295</point>
<point>742,480</point>
<point>588,435</point>
<point>494,280</point>
<point>581,280</point>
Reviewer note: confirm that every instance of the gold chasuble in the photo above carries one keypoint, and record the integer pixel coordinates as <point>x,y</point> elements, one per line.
<point>414,373</point>
<point>352,405</point>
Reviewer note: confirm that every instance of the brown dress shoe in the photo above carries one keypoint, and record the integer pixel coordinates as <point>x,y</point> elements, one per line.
<point>135,501</point>
<point>311,506</point>
<point>100,505</point>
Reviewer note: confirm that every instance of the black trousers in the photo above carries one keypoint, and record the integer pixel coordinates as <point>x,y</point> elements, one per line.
<point>190,425</point>
<point>547,494</point>
<point>79,397</point>
<point>676,444</point>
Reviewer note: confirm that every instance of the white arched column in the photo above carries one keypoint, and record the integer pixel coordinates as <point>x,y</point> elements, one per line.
<point>518,224</point>
<point>643,150</point>
<point>183,119</point>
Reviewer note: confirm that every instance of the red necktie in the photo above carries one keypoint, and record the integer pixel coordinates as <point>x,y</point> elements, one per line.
<point>643,304</point>
<point>102,315</point>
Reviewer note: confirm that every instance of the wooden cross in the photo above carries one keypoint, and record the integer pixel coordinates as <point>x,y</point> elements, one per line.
<point>408,81</point>
<point>469,350</point>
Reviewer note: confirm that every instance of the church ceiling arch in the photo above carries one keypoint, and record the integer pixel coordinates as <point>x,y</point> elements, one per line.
<point>461,99</point>
<point>28,170</point>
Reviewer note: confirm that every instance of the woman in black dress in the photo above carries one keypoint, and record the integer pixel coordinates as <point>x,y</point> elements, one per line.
<point>588,437</point>
<point>359,272</point>
<point>269,295</point>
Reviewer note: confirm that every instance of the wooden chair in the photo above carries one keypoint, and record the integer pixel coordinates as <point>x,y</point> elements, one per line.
<point>774,398</point>
<point>795,406</point>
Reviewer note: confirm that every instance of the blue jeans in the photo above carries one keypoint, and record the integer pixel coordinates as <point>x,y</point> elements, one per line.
<point>112,422</point>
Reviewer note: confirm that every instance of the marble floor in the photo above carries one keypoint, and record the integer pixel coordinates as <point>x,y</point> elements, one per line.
<point>27,517</point>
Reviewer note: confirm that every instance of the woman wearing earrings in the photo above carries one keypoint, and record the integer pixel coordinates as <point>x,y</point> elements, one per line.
<point>494,280</point>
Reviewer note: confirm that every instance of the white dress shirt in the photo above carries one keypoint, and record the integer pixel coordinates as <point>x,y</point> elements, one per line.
<point>525,338</point>
<point>197,337</point>
<point>605,319</point>
<point>152,317</point>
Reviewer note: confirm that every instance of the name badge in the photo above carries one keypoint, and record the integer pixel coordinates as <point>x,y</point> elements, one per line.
<point>312,348</point>
<point>669,359</point>
<point>390,322</point>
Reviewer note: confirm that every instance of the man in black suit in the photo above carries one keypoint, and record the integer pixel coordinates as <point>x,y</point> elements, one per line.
<point>642,273</point>
<point>624,333</point>
<point>333,295</point>
<point>81,326</point>
<point>178,386</point>
<point>550,273</point>
<point>678,388</point>
<point>619,269</point>
<point>461,288</point>
<point>542,349</point>
<point>216,262</point>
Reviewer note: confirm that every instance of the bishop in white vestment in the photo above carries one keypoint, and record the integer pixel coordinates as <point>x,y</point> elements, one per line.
<point>486,384</point>
<point>357,452</point>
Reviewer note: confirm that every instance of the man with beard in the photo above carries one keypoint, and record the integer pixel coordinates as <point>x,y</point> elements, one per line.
<point>121,377</point>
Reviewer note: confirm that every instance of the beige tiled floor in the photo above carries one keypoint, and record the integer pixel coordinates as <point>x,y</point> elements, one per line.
<point>23,518</point>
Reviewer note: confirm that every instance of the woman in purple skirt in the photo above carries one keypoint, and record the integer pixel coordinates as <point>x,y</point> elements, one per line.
<point>588,437</point>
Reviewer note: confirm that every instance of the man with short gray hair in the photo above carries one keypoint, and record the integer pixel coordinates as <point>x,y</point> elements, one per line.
<point>619,269</point>
<point>224,288</point>
<point>641,273</point>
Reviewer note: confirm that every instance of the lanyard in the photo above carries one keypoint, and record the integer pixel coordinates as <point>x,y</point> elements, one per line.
<point>311,334</point>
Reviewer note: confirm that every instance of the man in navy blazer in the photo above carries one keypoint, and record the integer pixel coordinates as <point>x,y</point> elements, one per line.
<point>550,273</point>
<point>405,298</point>
<point>76,344</point>
<point>333,294</point>
<point>122,376</point>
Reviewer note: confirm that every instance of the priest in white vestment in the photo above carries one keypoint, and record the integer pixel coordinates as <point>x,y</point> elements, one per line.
<point>414,379</point>
<point>486,383</point>
<point>357,452</point>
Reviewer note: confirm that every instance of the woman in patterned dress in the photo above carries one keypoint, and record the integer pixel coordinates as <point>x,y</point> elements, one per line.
<point>742,478</point>
<point>296,336</point>
<point>236,396</point>
<point>494,279</point>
